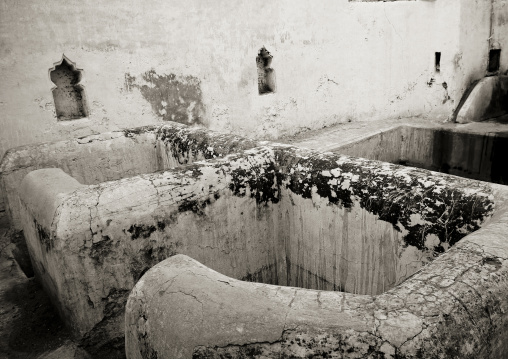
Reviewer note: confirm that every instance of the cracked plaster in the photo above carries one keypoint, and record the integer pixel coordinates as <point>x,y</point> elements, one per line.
<point>193,198</point>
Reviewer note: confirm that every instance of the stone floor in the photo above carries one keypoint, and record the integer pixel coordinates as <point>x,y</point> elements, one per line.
<point>30,328</point>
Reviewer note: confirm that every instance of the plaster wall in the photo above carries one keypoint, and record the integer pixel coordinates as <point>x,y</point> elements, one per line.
<point>335,61</point>
<point>352,250</point>
<point>469,61</point>
<point>149,61</point>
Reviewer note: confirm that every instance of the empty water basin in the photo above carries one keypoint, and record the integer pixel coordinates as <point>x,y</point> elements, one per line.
<point>352,257</point>
<point>476,155</point>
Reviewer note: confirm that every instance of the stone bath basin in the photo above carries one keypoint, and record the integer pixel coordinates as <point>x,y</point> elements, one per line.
<point>475,154</point>
<point>327,235</point>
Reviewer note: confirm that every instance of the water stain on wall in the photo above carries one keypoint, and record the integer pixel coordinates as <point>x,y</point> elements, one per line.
<point>174,97</point>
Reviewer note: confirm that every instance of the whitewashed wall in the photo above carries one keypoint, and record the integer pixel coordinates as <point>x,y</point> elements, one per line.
<point>335,61</point>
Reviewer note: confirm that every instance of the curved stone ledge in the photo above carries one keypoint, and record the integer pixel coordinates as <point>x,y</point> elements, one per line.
<point>455,307</point>
<point>488,99</point>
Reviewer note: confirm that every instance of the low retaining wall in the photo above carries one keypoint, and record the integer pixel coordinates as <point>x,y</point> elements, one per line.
<point>276,214</point>
<point>92,159</point>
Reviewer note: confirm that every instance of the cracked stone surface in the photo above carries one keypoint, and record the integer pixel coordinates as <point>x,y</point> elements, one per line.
<point>274,214</point>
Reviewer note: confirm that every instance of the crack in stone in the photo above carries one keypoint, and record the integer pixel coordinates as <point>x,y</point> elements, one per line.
<point>287,313</point>
<point>156,190</point>
<point>53,225</point>
<point>465,308</point>
<point>475,325</point>
<point>96,209</point>
<point>408,340</point>
<point>197,300</point>
<point>226,282</point>
<point>172,280</point>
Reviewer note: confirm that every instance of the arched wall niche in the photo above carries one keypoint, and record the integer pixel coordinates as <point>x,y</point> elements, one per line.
<point>68,94</point>
<point>266,75</point>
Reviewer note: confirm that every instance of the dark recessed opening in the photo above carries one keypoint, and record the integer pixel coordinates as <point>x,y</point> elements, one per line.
<point>69,95</point>
<point>494,60</point>
<point>266,75</point>
<point>437,62</point>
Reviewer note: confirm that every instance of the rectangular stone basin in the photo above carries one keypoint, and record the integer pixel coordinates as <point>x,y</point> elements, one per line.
<point>274,214</point>
<point>475,155</point>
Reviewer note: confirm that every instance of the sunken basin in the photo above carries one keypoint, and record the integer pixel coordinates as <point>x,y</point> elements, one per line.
<point>471,154</point>
<point>350,256</point>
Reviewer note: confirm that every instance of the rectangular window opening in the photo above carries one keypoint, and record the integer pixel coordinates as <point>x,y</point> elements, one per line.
<point>437,62</point>
<point>494,60</point>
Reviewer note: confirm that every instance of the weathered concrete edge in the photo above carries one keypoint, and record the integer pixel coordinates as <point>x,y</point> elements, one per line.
<point>302,153</point>
<point>19,161</point>
<point>44,190</point>
<point>18,158</point>
<point>440,280</point>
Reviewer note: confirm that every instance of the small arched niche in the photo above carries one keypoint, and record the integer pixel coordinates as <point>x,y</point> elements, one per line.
<point>68,94</point>
<point>266,75</point>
